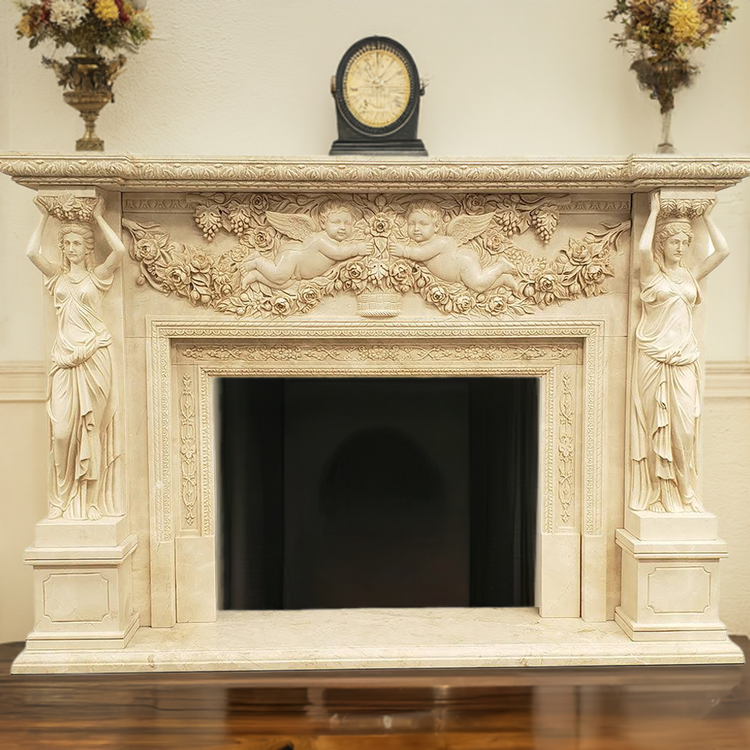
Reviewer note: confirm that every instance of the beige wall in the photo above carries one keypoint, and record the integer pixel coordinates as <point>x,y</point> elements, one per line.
<point>726,481</point>
<point>505,78</point>
<point>23,441</point>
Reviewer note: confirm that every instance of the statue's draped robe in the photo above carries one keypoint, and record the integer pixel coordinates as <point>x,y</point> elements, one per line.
<point>666,396</point>
<point>82,402</point>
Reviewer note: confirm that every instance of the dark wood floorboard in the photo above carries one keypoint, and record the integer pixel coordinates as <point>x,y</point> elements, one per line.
<point>623,708</point>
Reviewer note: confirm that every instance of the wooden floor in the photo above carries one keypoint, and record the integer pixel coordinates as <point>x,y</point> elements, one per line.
<point>597,708</point>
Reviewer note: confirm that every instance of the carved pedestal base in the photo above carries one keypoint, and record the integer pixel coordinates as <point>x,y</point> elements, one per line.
<point>82,585</point>
<point>670,587</point>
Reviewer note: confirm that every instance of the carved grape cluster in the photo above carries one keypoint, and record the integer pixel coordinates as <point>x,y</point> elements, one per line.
<point>544,221</point>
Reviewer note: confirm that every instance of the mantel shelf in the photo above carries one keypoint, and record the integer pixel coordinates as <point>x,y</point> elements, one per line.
<point>125,172</point>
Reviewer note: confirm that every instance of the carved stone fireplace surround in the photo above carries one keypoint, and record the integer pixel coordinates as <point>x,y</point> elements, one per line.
<point>236,268</point>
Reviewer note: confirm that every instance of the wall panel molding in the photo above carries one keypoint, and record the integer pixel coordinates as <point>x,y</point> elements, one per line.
<point>728,379</point>
<point>23,381</point>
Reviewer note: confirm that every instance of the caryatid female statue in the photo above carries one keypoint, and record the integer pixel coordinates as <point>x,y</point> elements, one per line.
<point>82,398</point>
<point>667,389</point>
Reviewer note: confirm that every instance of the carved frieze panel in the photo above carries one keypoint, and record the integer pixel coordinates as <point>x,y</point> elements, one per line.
<point>300,352</point>
<point>461,254</point>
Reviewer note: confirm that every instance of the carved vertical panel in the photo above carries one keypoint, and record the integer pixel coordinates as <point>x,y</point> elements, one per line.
<point>566,450</point>
<point>188,451</point>
<point>206,449</point>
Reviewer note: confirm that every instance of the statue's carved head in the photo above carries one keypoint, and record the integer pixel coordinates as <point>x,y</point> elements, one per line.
<point>670,232</point>
<point>76,240</point>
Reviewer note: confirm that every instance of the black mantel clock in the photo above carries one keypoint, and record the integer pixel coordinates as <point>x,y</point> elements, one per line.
<point>377,90</point>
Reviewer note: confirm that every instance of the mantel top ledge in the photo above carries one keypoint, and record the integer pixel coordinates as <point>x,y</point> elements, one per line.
<point>127,172</point>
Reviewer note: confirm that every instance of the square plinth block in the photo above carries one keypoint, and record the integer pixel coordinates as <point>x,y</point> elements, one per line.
<point>649,526</point>
<point>670,589</point>
<point>82,596</point>
<point>60,532</point>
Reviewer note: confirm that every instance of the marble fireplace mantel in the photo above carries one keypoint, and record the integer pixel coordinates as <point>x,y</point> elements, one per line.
<point>182,270</point>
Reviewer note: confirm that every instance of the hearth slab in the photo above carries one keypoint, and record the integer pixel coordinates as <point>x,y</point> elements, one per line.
<point>378,639</point>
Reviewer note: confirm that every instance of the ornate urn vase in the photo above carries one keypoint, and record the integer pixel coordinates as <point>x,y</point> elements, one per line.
<point>89,78</point>
<point>662,38</point>
<point>89,27</point>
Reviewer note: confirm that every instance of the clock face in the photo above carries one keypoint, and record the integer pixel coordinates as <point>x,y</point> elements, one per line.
<point>377,87</point>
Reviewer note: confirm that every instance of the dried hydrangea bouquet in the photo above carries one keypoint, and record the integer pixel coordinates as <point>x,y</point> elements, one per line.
<point>95,28</point>
<point>661,35</point>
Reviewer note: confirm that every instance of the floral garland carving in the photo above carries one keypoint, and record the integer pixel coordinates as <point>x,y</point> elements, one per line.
<point>578,270</point>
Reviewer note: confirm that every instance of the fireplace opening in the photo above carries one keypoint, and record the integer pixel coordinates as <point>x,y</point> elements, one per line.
<point>377,492</point>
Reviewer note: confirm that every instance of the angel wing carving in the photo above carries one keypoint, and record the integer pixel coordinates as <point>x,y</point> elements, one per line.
<point>465,228</point>
<point>296,226</point>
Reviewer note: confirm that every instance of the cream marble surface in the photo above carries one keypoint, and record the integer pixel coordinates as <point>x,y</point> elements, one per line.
<point>378,638</point>
<point>173,336</point>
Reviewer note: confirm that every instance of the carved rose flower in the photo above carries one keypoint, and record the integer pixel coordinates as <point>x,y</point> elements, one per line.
<point>493,242</point>
<point>176,277</point>
<point>463,303</point>
<point>547,285</point>
<point>146,250</point>
<point>200,262</point>
<point>437,294</point>
<point>401,274</point>
<point>263,238</point>
<point>593,273</point>
<point>578,252</point>
<point>356,271</point>
<point>308,295</point>
<point>281,306</point>
<point>546,282</point>
<point>498,303</point>
<point>381,225</point>
<point>259,202</point>
<point>473,204</point>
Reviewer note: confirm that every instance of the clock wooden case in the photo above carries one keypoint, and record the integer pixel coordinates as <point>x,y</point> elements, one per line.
<point>377,91</point>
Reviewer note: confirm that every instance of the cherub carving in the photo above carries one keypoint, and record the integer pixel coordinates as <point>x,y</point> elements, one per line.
<point>445,255</point>
<point>311,253</point>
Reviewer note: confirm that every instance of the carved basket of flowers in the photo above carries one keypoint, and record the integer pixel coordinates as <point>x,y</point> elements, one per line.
<point>661,36</point>
<point>99,30</point>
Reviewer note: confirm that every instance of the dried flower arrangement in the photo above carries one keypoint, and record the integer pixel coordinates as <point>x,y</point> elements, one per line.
<point>91,26</point>
<point>661,35</point>
<point>86,24</point>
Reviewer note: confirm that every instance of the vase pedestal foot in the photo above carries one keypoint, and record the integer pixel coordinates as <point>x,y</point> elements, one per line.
<point>666,148</point>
